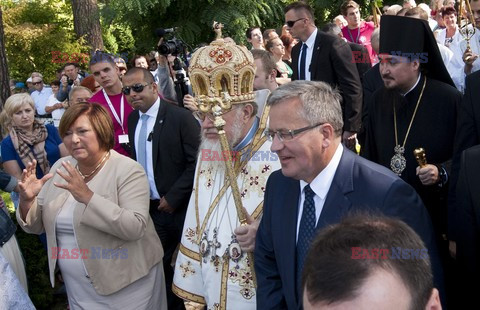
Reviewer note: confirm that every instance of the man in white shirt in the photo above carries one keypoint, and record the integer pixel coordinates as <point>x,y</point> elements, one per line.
<point>40,97</point>
<point>55,107</point>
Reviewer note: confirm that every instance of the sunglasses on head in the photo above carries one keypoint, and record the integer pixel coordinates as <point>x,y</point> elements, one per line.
<point>138,88</point>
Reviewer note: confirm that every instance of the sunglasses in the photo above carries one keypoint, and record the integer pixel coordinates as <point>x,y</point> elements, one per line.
<point>37,83</point>
<point>138,88</point>
<point>290,23</point>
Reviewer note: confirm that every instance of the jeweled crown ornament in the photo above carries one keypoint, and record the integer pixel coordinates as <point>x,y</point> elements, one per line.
<point>222,74</point>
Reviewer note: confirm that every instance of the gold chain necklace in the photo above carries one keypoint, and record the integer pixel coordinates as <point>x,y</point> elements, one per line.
<point>398,162</point>
<point>85,176</point>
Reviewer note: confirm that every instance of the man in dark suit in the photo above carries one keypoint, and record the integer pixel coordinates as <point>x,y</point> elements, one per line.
<point>360,54</point>
<point>320,182</point>
<point>320,57</point>
<point>467,135</point>
<point>467,225</point>
<point>165,140</point>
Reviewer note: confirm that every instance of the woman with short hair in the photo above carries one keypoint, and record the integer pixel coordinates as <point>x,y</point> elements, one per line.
<point>94,208</point>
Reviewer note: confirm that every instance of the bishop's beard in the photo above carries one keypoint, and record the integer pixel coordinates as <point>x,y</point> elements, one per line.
<point>211,149</point>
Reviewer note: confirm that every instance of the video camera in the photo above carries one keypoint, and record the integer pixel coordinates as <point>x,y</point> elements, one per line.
<point>174,47</point>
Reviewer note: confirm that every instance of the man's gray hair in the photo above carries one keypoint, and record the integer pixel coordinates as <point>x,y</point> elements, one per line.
<point>321,103</point>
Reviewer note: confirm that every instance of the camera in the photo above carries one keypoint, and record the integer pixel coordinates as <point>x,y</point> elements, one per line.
<point>174,47</point>
<point>69,81</point>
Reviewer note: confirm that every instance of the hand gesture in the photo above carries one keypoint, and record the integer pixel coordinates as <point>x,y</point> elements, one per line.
<point>64,81</point>
<point>75,183</point>
<point>30,186</point>
<point>428,175</point>
<point>246,234</point>
<point>189,103</point>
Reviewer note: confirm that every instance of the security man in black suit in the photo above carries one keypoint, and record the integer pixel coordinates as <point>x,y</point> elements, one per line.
<point>164,140</point>
<point>321,57</point>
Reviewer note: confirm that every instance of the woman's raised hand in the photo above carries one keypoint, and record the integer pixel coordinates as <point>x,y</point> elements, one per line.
<point>29,186</point>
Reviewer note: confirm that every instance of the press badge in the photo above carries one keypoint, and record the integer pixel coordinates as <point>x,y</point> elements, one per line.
<point>122,138</point>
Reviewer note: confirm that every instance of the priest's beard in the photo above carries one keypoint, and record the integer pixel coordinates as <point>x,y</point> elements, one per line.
<point>211,149</point>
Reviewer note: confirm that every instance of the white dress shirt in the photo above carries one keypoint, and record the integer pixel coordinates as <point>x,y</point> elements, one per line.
<point>320,186</point>
<point>152,113</point>
<point>41,98</point>
<point>310,44</point>
<point>57,113</point>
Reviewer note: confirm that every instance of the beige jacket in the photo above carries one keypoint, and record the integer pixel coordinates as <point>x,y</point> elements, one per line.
<point>116,219</point>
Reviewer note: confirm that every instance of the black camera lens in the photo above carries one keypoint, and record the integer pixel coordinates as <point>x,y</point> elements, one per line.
<point>173,47</point>
<point>167,48</point>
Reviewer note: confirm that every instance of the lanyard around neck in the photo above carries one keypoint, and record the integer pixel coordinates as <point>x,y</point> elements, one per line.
<point>114,113</point>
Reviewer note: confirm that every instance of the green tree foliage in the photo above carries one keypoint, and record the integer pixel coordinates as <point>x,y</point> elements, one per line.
<point>36,31</point>
<point>193,17</point>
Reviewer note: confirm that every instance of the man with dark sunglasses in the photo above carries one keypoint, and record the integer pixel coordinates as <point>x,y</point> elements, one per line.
<point>40,96</point>
<point>321,57</point>
<point>164,140</point>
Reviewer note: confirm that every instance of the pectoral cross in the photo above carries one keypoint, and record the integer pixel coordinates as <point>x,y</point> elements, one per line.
<point>214,245</point>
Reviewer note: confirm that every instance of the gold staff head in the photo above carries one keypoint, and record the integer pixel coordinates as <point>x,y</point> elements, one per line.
<point>222,75</point>
<point>420,157</point>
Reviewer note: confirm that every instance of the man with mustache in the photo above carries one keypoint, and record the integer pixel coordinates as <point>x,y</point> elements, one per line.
<point>212,267</point>
<point>416,108</point>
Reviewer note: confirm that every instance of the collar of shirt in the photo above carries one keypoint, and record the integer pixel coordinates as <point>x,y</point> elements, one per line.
<point>322,182</point>
<point>248,138</point>
<point>416,83</point>
<point>320,186</point>
<point>311,39</point>
<point>153,111</point>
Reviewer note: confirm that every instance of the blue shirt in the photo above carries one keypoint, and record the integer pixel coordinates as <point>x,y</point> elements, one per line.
<point>51,147</point>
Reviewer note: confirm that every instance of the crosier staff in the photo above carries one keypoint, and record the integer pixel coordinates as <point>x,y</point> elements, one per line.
<point>219,123</point>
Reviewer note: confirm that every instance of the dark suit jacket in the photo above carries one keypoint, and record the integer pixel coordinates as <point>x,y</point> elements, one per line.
<point>358,184</point>
<point>361,58</point>
<point>467,135</point>
<point>371,81</point>
<point>467,221</point>
<point>176,136</point>
<point>332,63</point>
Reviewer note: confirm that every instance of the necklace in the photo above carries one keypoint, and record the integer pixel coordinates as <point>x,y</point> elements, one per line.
<point>85,176</point>
<point>351,36</point>
<point>398,161</point>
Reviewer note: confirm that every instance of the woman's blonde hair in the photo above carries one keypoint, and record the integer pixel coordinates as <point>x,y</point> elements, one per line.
<point>12,105</point>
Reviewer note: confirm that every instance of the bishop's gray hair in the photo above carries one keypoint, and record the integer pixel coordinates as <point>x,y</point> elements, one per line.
<point>321,103</point>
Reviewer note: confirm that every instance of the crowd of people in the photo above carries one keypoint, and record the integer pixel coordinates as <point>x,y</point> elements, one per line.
<point>322,168</point>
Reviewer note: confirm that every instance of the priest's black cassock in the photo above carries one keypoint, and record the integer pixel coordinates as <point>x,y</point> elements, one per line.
<point>432,129</point>
<point>434,125</point>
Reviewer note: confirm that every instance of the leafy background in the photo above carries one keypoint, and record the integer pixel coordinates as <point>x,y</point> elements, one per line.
<point>35,28</point>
